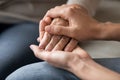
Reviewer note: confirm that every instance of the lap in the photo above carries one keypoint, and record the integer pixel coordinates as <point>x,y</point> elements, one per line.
<point>111,63</point>
<point>44,71</point>
<point>14,47</point>
<point>41,71</point>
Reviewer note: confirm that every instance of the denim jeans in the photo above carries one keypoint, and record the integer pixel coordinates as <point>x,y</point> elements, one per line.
<point>44,71</point>
<point>14,47</point>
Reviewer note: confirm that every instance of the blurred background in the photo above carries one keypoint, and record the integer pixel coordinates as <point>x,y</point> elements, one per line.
<point>19,24</point>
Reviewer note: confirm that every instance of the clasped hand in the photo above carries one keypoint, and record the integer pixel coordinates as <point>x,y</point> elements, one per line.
<point>60,33</point>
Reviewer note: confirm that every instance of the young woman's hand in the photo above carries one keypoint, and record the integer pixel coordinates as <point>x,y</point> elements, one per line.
<point>81,25</point>
<point>61,59</point>
<point>78,62</point>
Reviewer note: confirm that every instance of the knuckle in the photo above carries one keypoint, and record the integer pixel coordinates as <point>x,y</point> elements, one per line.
<point>49,29</point>
<point>70,11</point>
<point>65,38</point>
<point>64,5</point>
<point>56,38</point>
<point>57,7</point>
<point>58,30</point>
<point>50,10</point>
<point>74,32</point>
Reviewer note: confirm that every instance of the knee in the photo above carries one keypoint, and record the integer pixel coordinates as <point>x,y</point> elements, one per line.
<point>37,71</point>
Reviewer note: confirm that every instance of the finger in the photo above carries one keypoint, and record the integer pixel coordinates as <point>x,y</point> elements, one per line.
<point>43,23</point>
<point>57,58</point>
<point>61,44</point>
<point>57,12</point>
<point>48,56</point>
<point>41,54</point>
<point>59,30</point>
<point>54,40</point>
<point>46,39</point>
<point>71,45</point>
<point>42,29</point>
<point>48,20</point>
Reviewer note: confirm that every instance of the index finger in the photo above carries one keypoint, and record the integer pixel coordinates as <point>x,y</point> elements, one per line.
<point>43,23</point>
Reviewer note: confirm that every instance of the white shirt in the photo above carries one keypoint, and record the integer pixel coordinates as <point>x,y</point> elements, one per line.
<point>90,5</point>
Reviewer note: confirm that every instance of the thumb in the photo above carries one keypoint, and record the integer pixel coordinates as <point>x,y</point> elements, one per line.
<point>59,30</point>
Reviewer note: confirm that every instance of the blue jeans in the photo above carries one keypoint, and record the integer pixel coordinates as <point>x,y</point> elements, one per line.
<point>44,71</point>
<point>14,47</point>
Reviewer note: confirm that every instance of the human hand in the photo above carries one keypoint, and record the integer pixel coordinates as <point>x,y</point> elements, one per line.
<point>78,62</point>
<point>54,42</point>
<point>61,59</point>
<point>81,25</point>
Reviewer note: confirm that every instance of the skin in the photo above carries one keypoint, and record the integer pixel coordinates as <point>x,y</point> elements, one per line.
<point>78,62</point>
<point>80,25</point>
<point>77,26</point>
<point>51,42</point>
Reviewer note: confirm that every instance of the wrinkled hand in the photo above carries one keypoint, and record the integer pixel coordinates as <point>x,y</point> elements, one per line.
<point>61,59</point>
<point>54,42</point>
<point>81,25</point>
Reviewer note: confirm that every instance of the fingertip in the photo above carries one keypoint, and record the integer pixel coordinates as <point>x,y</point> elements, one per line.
<point>32,46</point>
<point>48,20</point>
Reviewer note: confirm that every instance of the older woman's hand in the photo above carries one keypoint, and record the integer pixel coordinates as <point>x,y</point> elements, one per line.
<point>54,42</point>
<point>81,25</point>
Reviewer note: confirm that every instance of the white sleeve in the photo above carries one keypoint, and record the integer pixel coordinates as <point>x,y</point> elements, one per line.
<point>90,5</point>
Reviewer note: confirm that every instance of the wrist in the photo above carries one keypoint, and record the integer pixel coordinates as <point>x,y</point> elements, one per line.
<point>102,31</point>
<point>108,31</point>
<point>81,68</point>
<point>96,30</point>
<point>90,70</point>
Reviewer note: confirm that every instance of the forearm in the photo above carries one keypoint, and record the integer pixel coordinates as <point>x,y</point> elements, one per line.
<point>110,31</point>
<point>90,70</point>
<point>90,5</point>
